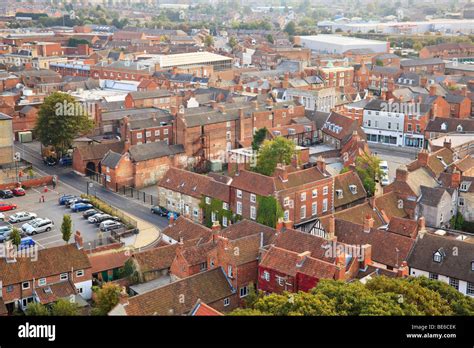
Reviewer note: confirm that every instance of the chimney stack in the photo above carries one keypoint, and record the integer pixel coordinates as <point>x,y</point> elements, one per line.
<point>447,143</point>
<point>302,257</point>
<point>401,174</point>
<point>403,270</point>
<point>216,227</point>
<point>368,223</point>
<point>282,172</point>
<point>321,164</point>
<point>455,179</point>
<point>331,232</point>
<point>366,256</point>
<point>78,240</point>
<point>279,225</point>
<point>421,224</point>
<point>340,266</point>
<point>423,156</point>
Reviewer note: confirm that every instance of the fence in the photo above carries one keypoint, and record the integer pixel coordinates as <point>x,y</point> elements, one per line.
<point>105,241</point>
<point>141,196</point>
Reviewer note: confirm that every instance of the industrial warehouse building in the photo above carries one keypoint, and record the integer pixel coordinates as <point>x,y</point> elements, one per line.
<point>336,44</point>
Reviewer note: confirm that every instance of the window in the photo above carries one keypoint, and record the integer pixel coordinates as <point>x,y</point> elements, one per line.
<point>208,200</point>
<point>9,288</point>
<point>266,276</point>
<point>461,201</point>
<point>454,283</point>
<point>437,257</point>
<point>303,197</point>
<point>433,276</point>
<point>148,134</point>
<point>253,198</point>
<point>470,288</point>
<point>165,131</point>
<point>224,221</point>
<point>203,266</point>
<point>315,193</point>
<point>325,191</point>
<point>239,194</point>
<point>239,208</point>
<point>389,125</point>
<point>157,133</point>
<point>314,208</point>
<point>286,201</point>
<point>25,285</point>
<point>195,212</point>
<point>228,135</point>
<point>63,276</point>
<point>253,213</point>
<point>325,205</point>
<point>225,206</point>
<point>303,212</point>
<point>230,273</point>
<point>79,273</point>
<point>286,215</point>
<point>280,280</point>
<point>244,291</point>
<point>139,135</point>
<point>409,127</point>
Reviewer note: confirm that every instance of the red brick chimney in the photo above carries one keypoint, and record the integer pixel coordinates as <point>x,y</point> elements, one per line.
<point>216,227</point>
<point>279,225</point>
<point>126,146</point>
<point>288,224</point>
<point>368,223</point>
<point>281,171</point>
<point>403,270</point>
<point>421,224</point>
<point>455,179</point>
<point>447,143</point>
<point>423,156</point>
<point>79,240</point>
<point>241,125</point>
<point>366,256</point>
<point>331,230</point>
<point>340,266</point>
<point>171,220</point>
<point>321,164</point>
<point>401,174</point>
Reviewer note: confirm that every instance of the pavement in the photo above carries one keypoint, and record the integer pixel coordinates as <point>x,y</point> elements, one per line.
<point>394,156</point>
<point>150,225</point>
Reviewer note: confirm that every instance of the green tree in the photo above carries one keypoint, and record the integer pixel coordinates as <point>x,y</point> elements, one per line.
<point>457,221</point>
<point>106,298</point>
<point>233,42</point>
<point>290,28</point>
<point>258,138</point>
<point>270,38</point>
<point>61,119</point>
<point>66,228</point>
<point>64,307</point>
<point>209,41</point>
<point>368,169</point>
<point>36,309</point>
<point>273,152</point>
<point>15,237</point>
<point>379,62</point>
<point>379,296</point>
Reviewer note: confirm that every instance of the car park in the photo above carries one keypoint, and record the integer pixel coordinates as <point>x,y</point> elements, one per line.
<point>110,225</point>
<point>159,210</point>
<point>37,225</point>
<point>5,232</point>
<point>21,216</point>
<point>77,207</point>
<point>19,191</point>
<point>75,200</point>
<point>6,194</point>
<point>7,206</point>
<point>89,212</point>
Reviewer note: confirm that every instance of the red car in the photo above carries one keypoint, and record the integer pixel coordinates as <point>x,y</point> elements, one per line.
<point>7,206</point>
<point>18,191</point>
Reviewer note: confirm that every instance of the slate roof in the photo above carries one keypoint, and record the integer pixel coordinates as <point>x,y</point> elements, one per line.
<point>147,151</point>
<point>454,266</point>
<point>451,124</point>
<point>419,62</point>
<point>342,182</point>
<point>157,93</point>
<point>111,159</point>
<point>432,196</point>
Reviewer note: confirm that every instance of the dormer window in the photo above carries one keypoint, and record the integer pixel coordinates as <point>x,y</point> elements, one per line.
<point>353,189</point>
<point>339,194</point>
<point>463,186</point>
<point>459,128</point>
<point>444,126</point>
<point>438,257</point>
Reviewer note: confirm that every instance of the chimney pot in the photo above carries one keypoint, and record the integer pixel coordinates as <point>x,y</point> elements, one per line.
<point>368,223</point>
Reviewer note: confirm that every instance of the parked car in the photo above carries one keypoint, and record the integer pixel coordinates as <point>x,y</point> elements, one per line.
<point>21,216</point>
<point>159,210</point>
<point>75,200</point>
<point>50,161</point>
<point>65,161</point>
<point>109,225</point>
<point>98,218</point>
<point>7,206</point>
<point>37,225</point>
<point>5,232</point>
<point>76,207</point>
<point>384,181</point>
<point>173,214</point>
<point>2,217</point>
<point>89,212</point>
<point>6,194</point>
<point>19,191</point>
<point>64,198</point>
<point>26,243</point>
<point>383,165</point>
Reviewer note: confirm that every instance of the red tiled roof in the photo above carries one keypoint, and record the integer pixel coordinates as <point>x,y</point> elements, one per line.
<point>53,292</point>
<point>108,261</point>
<point>404,227</point>
<point>187,229</point>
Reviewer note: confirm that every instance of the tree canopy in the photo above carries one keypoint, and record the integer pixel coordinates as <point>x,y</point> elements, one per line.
<point>273,152</point>
<point>106,298</point>
<point>258,138</point>
<point>368,169</point>
<point>380,296</point>
<point>66,228</point>
<point>61,119</point>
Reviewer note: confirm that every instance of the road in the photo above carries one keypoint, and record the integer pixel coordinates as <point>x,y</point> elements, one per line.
<point>394,157</point>
<point>78,183</point>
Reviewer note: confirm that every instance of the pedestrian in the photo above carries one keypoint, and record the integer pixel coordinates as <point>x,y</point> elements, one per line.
<point>42,198</point>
